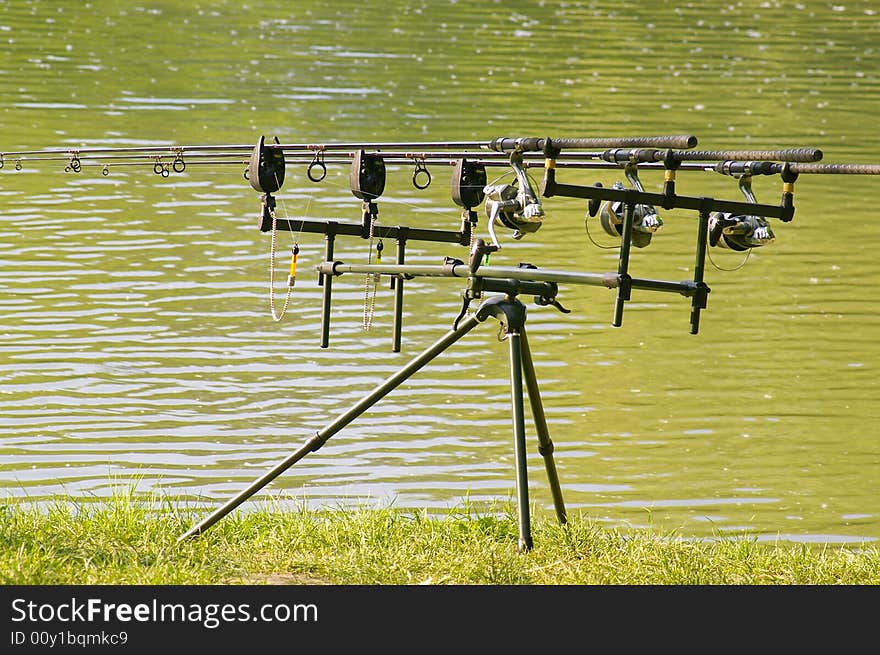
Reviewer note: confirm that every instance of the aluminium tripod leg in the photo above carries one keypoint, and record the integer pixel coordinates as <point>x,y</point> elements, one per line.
<point>545,445</point>
<point>321,436</point>
<point>511,314</point>
<point>519,440</point>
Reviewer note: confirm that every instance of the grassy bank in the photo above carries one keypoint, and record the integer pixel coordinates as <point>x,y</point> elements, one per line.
<point>130,541</point>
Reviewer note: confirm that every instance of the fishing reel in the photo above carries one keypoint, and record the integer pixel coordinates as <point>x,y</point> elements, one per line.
<point>515,206</point>
<point>646,221</point>
<point>740,232</point>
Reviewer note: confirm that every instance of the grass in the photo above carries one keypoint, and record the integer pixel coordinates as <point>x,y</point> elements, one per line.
<point>130,540</point>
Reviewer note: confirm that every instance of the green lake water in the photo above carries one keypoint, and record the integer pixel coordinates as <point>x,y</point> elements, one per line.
<point>137,345</point>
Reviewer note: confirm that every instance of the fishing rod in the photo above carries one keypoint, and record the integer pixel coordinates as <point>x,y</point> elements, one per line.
<point>680,141</point>
<point>166,159</point>
<point>184,154</point>
<point>316,169</point>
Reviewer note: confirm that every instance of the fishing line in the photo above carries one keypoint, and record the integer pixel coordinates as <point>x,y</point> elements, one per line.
<point>590,236</point>
<point>729,270</point>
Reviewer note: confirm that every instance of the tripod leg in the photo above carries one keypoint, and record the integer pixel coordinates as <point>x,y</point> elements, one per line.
<point>321,436</point>
<point>545,445</point>
<point>519,441</point>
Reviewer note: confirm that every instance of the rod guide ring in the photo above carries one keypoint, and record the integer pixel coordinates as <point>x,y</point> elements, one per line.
<point>317,162</point>
<point>421,177</point>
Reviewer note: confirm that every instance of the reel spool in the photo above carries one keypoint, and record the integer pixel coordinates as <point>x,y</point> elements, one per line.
<point>645,220</point>
<point>739,232</point>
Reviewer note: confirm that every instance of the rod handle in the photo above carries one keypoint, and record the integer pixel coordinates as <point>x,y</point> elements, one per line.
<point>837,169</point>
<point>774,168</point>
<point>790,154</point>
<point>536,144</point>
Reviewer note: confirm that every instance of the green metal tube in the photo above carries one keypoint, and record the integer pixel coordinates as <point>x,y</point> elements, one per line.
<point>545,444</point>
<point>699,268</point>
<point>623,262</point>
<point>326,282</point>
<point>397,326</point>
<point>608,280</point>
<point>519,442</point>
